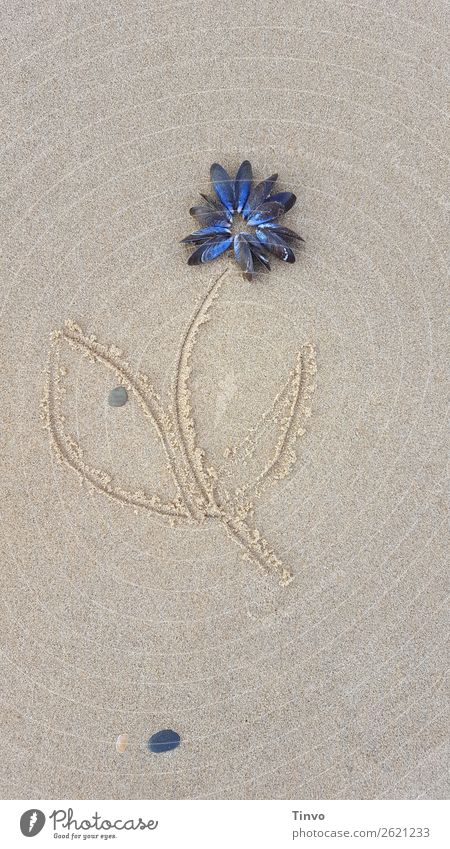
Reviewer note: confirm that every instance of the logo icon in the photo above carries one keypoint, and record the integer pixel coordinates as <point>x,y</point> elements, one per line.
<point>32,822</point>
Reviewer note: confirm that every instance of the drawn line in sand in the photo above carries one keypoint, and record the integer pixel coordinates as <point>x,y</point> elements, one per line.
<point>203,492</point>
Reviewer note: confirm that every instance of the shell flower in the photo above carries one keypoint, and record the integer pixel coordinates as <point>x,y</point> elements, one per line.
<point>243,218</point>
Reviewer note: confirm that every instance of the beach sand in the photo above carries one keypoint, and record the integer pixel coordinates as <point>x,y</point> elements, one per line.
<point>127,606</point>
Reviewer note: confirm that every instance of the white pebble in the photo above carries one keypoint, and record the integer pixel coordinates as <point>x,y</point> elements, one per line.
<point>121,743</point>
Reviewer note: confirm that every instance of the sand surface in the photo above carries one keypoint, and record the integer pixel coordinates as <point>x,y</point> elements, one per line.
<point>127,608</point>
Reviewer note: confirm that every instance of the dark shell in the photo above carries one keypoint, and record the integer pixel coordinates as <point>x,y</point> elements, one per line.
<point>223,185</point>
<point>285,199</point>
<point>284,232</point>
<point>217,206</point>
<point>210,250</point>
<point>276,245</point>
<point>205,235</point>
<point>258,251</point>
<point>243,184</point>
<point>243,255</point>
<point>209,217</point>
<point>259,195</point>
<point>266,212</point>
<point>164,741</point>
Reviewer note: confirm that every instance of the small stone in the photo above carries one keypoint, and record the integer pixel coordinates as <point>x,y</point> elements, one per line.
<point>121,743</point>
<point>118,397</point>
<point>164,741</point>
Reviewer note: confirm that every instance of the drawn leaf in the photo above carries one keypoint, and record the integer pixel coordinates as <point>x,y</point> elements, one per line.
<point>138,385</point>
<point>268,452</point>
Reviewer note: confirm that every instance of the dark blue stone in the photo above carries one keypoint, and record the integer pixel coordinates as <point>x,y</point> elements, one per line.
<point>164,741</point>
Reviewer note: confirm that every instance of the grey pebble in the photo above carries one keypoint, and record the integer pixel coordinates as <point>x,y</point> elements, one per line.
<point>118,397</point>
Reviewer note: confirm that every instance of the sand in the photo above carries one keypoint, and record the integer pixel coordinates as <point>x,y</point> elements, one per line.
<point>251,550</point>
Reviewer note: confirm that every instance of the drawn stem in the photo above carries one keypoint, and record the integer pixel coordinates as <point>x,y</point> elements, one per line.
<point>185,422</point>
<point>256,547</point>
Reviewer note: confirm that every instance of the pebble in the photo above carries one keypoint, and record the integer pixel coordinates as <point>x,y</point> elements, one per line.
<point>121,743</point>
<point>164,741</point>
<point>118,397</point>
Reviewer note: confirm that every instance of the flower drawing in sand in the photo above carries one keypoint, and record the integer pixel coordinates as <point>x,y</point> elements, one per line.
<point>204,493</point>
